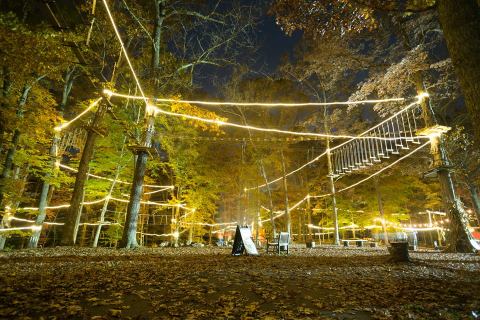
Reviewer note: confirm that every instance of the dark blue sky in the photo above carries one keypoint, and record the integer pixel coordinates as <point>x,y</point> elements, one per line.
<point>273,44</point>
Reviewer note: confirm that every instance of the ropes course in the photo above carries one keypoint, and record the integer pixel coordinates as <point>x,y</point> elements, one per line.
<point>396,135</point>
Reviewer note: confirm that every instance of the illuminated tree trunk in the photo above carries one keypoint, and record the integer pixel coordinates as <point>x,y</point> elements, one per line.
<point>472,188</point>
<point>287,211</point>
<point>43,200</point>
<point>380,209</point>
<point>330,173</point>
<point>460,21</point>
<point>309,218</point>
<point>272,220</point>
<point>129,237</point>
<point>190,235</point>
<point>7,166</point>
<point>177,224</point>
<point>334,199</point>
<point>71,224</point>
<point>7,85</point>
<point>157,32</point>
<point>459,237</point>
<point>67,88</point>
<point>107,200</point>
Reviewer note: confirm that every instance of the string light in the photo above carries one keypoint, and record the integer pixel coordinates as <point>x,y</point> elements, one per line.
<point>124,51</point>
<point>66,124</point>
<point>61,223</point>
<point>117,181</point>
<point>175,234</point>
<point>152,203</point>
<point>210,224</point>
<point>281,213</point>
<point>423,229</point>
<point>257,104</point>
<point>32,228</point>
<point>253,128</point>
<point>375,173</point>
<point>386,167</point>
<point>160,190</point>
<point>349,187</point>
<point>241,139</point>
<point>338,146</point>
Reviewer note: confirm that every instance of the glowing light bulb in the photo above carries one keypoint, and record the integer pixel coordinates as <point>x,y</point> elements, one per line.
<point>151,109</point>
<point>109,93</point>
<point>422,96</point>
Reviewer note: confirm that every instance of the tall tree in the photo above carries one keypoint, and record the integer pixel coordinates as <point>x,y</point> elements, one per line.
<point>460,22</point>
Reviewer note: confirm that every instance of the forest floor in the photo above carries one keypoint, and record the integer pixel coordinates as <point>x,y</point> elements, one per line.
<point>209,283</point>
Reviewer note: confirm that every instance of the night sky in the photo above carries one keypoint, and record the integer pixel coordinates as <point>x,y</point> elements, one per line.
<point>273,44</point>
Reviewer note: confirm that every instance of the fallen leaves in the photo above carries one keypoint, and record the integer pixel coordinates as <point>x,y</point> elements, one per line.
<point>208,283</point>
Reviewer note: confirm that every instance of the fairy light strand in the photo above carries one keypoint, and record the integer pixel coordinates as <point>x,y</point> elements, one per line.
<point>151,203</point>
<point>66,124</point>
<point>218,122</point>
<point>420,98</point>
<point>377,172</point>
<point>281,213</point>
<point>127,58</point>
<point>257,104</point>
<point>117,181</point>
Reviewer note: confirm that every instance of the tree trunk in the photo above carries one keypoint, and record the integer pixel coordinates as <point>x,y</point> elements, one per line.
<point>287,211</point>
<point>332,189</point>
<point>83,235</point>
<point>380,209</point>
<point>129,239</point>
<point>80,211</point>
<point>190,235</point>
<point>68,238</point>
<point>176,234</point>
<point>459,237</point>
<point>309,218</point>
<point>7,85</point>
<point>104,210</point>
<point>452,22</point>
<point>472,188</point>
<point>157,33</point>
<point>42,202</point>
<point>460,21</point>
<point>67,88</point>
<point>272,220</point>
<point>15,139</point>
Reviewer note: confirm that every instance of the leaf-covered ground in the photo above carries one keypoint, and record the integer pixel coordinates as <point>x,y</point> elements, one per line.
<point>208,283</point>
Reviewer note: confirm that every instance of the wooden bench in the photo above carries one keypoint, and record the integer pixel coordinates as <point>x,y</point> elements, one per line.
<point>280,243</point>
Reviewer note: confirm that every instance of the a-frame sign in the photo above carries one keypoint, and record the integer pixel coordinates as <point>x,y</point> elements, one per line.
<point>243,242</point>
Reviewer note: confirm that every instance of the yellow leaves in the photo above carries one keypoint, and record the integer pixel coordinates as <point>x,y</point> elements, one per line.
<point>115,312</point>
<point>73,310</point>
<point>192,110</point>
<point>324,283</point>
